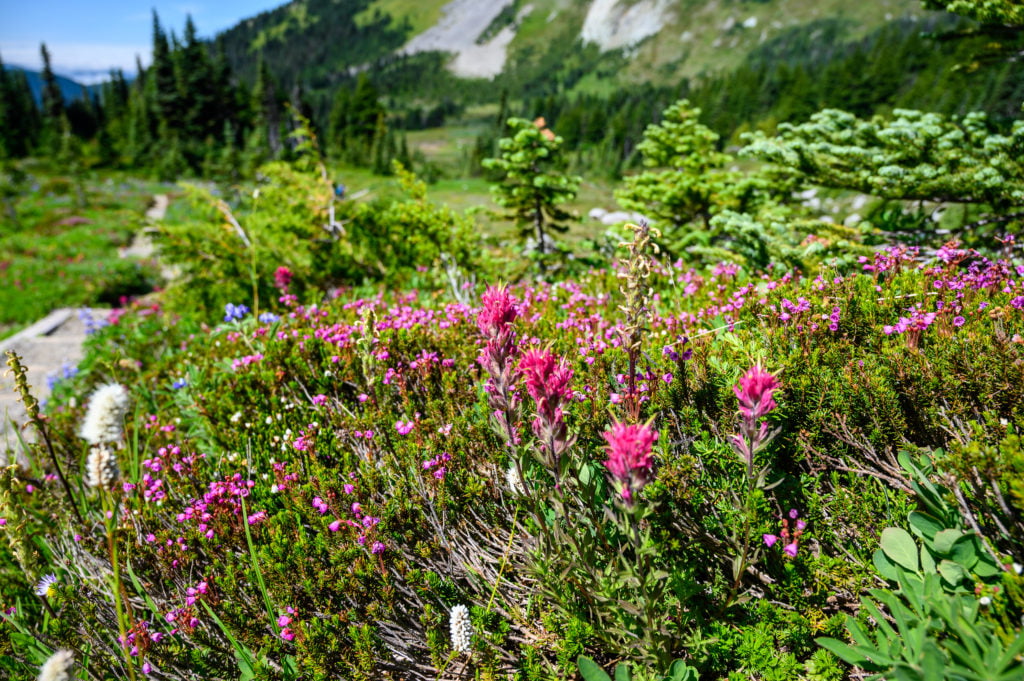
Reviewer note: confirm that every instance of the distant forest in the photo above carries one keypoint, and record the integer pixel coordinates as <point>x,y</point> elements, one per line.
<point>219,109</point>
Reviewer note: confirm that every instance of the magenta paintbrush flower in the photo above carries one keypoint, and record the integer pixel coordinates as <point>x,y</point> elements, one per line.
<point>755,392</point>
<point>498,310</point>
<point>494,320</point>
<point>547,379</point>
<point>629,457</point>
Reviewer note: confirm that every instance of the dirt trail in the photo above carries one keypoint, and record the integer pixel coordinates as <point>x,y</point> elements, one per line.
<point>53,345</point>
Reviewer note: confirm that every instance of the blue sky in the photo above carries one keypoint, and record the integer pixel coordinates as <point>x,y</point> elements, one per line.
<point>87,38</point>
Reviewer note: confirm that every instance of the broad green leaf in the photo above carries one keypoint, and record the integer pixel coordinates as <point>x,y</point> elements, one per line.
<point>590,671</point>
<point>885,567</point>
<point>900,547</point>
<point>945,539</point>
<point>927,562</point>
<point>986,568</point>
<point>965,551</point>
<point>951,572</point>
<point>680,671</point>
<point>924,525</point>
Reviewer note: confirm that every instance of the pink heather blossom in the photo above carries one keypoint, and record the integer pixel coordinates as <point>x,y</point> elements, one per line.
<point>790,549</point>
<point>755,392</point>
<point>770,539</point>
<point>629,456</point>
<point>404,427</point>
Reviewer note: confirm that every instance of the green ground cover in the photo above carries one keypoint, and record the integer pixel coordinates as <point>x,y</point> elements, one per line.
<point>62,248</point>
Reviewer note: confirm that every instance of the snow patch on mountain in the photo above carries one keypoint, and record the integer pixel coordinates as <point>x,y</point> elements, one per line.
<point>611,24</point>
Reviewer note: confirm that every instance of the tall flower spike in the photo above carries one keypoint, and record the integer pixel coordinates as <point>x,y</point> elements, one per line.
<point>101,469</point>
<point>58,667</point>
<point>461,629</point>
<point>104,420</point>
<point>547,379</point>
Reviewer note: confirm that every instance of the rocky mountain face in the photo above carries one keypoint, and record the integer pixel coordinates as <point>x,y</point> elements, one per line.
<point>661,40</point>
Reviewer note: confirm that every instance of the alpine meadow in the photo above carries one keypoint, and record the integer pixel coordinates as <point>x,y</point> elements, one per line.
<point>562,340</point>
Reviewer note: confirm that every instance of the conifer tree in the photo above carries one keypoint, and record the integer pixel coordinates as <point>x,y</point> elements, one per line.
<point>195,88</point>
<point>161,80</point>
<point>19,118</point>
<point>53,98</point>
<point>533,183</point>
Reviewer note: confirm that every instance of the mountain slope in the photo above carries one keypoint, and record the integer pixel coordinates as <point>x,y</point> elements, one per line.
<point>71,89</point>
<point>318,42</point>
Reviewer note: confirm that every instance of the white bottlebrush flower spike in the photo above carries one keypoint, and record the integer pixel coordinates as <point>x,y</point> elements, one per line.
<point>461,629</point>
<point>101,469</point>
<point>58,667</point>
<point>104,420</point>
<point>515,481</point>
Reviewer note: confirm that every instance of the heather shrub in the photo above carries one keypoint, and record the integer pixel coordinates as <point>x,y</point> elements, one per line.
<point>291,236</point>
<point>647,463</point>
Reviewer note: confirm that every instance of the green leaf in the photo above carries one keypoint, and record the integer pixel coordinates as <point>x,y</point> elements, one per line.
<point>945,539</point>
<point>985,568</point>
<point>590,671</point>
<point>844,651</point>
<point>951,572</point>
<point>622,672</point>
<point>680,671</point>
<point>900,547</point>
<point>924,525</point>
<point>965,551</point>
<point>927,562</point>
<point>885,567</point>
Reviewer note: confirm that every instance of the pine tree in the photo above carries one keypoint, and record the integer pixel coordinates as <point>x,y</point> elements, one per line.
<point>53,98</point>
<point>195,87</point>
<point>533,183</point>
<point>162,82</point>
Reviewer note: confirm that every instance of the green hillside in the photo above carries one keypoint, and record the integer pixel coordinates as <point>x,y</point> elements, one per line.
<point>317,41</point>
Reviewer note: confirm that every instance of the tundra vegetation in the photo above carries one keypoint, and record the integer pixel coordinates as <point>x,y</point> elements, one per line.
<point>357,439</point>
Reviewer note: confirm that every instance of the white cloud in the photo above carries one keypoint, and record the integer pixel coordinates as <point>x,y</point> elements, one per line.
<point>85,62</point>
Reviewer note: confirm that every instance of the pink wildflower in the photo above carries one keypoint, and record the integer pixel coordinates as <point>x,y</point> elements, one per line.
<point>497,313</point>
<point>755,392</point>
<point>629,457</point>
<point>282,278</point>
<point>547,381</point>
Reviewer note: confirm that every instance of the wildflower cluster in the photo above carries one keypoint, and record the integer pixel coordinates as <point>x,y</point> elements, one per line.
<point>790,538</point>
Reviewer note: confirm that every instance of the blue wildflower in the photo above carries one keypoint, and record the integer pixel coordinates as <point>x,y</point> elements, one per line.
<point>179,384</point>
<point>234,312</point>
<point>269,318</point>
<point>45,586</point>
